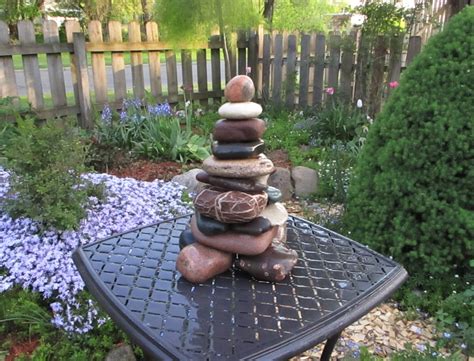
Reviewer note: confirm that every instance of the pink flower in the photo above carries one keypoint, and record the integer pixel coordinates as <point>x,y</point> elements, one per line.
<point>393,84</point>
<point>330,91</point>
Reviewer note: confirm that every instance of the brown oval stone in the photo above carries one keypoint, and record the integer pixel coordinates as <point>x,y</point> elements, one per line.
<point>272,265</point>
<point>236,242</point>
<point>230,206</point>
<point>198,263</point>
<point>247,130</point>
<point>257,184</point>
<point>238,168</point>
<point>239,89</point>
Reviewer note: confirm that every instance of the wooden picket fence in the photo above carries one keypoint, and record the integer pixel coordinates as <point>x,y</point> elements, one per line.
<point>288,69</point>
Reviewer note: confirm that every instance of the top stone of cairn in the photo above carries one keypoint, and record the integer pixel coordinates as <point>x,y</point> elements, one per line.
<point>239,89</point>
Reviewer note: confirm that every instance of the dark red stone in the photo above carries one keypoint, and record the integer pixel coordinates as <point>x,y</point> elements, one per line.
<point>198,263</point>
<point>272,265</point>
<point>248,130</point>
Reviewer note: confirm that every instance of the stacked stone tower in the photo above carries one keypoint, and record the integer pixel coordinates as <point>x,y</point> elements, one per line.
<point>237,213</point>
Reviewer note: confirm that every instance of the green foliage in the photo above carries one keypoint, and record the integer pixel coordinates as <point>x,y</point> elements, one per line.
<point>25,315</point>
<point>411,354</point>
<point>192,21</point>
<point>46,164</point>
<point>152,132</point>
<point>302,15</point>
<point>11,11</point>
<point>412,192</point>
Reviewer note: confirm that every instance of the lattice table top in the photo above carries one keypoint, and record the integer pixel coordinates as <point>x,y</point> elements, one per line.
<point>134,278</point>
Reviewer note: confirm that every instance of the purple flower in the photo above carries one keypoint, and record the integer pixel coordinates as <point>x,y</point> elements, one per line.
<point>106,115</point>
<point>42,261</point>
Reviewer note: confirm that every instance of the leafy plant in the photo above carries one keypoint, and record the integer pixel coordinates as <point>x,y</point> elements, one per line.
<point>46,164</point>
<point>152,132</point>
<point>411,196</point>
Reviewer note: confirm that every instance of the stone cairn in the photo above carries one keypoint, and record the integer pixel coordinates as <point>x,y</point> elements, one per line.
<point>237,213</point>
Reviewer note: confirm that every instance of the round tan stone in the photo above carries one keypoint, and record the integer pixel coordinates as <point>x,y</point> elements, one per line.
<point>244,110</point>
<point>198,263</point>
<point>233,242</point>
<point>276,214</point>
<point>238,168</point>
<point>239,89</point>
<point>230,206</point>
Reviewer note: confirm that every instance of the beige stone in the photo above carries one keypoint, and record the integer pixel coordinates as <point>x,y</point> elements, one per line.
<point>276,214</point>
<point>244,110</point>
<point>238,168</point>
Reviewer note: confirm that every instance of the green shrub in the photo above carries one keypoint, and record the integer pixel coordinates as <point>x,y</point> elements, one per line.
<point>46,163</point>
<point>412,192</point>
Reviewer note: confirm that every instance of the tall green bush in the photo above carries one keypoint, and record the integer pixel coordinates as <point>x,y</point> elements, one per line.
<point>412,194</point>
<point>46,163</point>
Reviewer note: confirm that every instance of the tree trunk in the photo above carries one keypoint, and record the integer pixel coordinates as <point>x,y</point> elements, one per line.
<point>268,8</point>
<point>224,39</point>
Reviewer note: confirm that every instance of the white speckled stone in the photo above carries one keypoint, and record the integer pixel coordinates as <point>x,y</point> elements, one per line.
<point>244,110</point>
<point>238,168</point>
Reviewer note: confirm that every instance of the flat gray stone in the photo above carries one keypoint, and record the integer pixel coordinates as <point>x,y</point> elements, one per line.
<point>121,353</point>
<point>189,180</point>
<point>281,179</point>
<point>305,180</point>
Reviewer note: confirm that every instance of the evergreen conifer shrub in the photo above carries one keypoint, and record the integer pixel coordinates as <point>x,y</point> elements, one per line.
<point>412,195</point>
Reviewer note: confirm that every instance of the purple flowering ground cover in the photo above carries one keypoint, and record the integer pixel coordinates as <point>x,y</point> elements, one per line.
<point>42,262</point>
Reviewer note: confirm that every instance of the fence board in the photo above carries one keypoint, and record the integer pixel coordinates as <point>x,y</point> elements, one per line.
<point>98,63</point>
<point>138,83</point>
<point>216,68</point>
<point>347,61</point>
<point>187,69</point>
<point>172,76</point>
<point>395,61</point>
<point>414,47</point>
<point>55,65</point>
<point>266,68</point>
<point>233,55</point>
<point>34,89</point>
<point>277,69</point>
<point>318,81</point>
<point>377,79</point>
<point>7,72</point>
<point>253,58</point>
<point>242,54</point>
<point>154,59</point>
<point>202,74</point>
<point>72,26</point>
<point>291,72</point>
<point>304,70</point>
<point>334,59</point>
<point>83,81</point>
<point>118,63</point>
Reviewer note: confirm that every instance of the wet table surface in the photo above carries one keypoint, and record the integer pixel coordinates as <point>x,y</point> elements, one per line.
<point>233,316</point>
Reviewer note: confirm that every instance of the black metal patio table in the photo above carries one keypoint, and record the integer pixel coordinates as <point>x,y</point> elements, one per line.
<point>233,316</point>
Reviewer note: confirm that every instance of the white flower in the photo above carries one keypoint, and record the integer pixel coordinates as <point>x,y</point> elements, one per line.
<point>359,103</point>
<point>187,104</point>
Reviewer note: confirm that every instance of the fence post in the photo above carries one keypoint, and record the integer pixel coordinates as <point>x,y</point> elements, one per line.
<point>79,43</point>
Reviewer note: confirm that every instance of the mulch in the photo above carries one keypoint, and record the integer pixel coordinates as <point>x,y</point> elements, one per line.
<point>145,170</point>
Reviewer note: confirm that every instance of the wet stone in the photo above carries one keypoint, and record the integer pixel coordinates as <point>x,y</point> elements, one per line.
<point>186,238</point>
<point>230,206</point>
<point>258,226</point>
<point>234,242</point>
<point>198,263</point>
<point>239,89</point>
<point>257,184</point>
<point>209,226</point>
<point>237,150</point>
<point>247,130</point>
<point>274,194</point>
<point>274,265</point>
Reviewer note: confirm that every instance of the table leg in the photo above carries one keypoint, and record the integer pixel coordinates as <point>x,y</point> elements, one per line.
<point>329,347</point>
